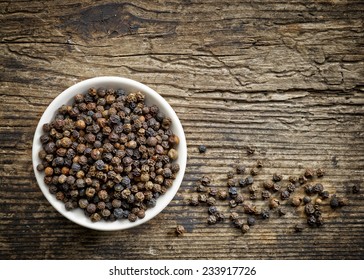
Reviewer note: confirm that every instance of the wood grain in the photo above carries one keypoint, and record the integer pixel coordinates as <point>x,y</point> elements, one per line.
<point>285,78</point>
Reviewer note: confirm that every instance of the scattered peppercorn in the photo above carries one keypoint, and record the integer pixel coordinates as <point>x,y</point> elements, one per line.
<point>234,216</point>
<point>298,228</point>
<point>211,201</point>
<point>180,230</point>
<point>318,188</point>
<point>212,210</point>
<point>254,171</point>
<point>232,203</point>
<point>230,175</point>
<point>212,191</point>
<point>219,216</point>
<point>318,201</point>
<point>194,201</point>
<point>309,209</point>
<point>265,194</point>
<point>240,169</point>
<point>205,181</point>
<point>320,172</point>
<point>285,195</point>
<point>355,189</point>
<point>202,149</point>
<point>265,214</point>
<point>306,199</point>
<point>309,173</point>
<point>249,180</point>
<point>302,179</point>
<point>296,201</point>
<point>251,221</point>
<point>211,220</point>
<point>222,194</point>
<point>233,192</point>
<point>202,198</point>
<point>282,211</point>
<point>238,223</point>
<point>308,189</point>
<point>250,150</point>
<point>245,228</point>
<point>293,179</point>
<point>291,187</point>
<point>277,177</point>
<point>274,203</point>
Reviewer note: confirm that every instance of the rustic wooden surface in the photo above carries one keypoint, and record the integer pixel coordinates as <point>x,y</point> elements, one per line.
<point>285,78</point>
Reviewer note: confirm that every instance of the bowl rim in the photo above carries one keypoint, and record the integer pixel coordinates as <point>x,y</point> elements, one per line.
<point>67,96</point>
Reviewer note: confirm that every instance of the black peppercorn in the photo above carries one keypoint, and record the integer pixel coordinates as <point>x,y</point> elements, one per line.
<point>296,201</point>
<point>298,228</point>
<point>249,180</point>
<point>211,201</point>
<point>132,217</point>
<point>306,199</point>
<point>265,194</point>
<point>205,181</point>
<point>293,179</point>
<point>268,185</point>
<point>318,188</point>
<point>242,183</point>
<point>274,203</point>
<point>309,209</point>
<point>302,179</point>
<point>254,171</point>
<point>282,212</point>
<point>212,191</point>
<point>320,172</point>
<point>211,219</point>
<point>202,148</point>
<point>311,220</point>
<point>233,203</point>
<point>231,183</point>
<point>212,210</point>
<point>180,230</point>
<point>222,195</point>
<point>233,192</point>
<point>240,169</point>
<point>285,195</point>
<point>238,223</point>
<point>194,201</point>
<point>277,177</point>
<point>291,187</point>
<point>97,151</point>
<point>230,175</point>
<point>245,229</point>
<point>309,189</point>
<point>251,221</point>
<point>355,189</point>
<point>324,194</point>
<point>309,173</point>
<point>234,216</point>
<point>265,214</point>
<point>202,198</point>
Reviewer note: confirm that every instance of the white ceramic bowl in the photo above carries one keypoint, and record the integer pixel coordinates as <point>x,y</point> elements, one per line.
<point>152,97</point>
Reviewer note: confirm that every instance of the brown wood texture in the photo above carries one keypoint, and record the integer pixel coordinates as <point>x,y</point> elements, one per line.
<point>285,77</point>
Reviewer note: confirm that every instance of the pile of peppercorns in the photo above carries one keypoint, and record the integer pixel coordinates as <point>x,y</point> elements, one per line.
<point>275,194</point>
<point>109,154</point>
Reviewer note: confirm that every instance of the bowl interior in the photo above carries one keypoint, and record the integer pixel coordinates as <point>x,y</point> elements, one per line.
<point>152,97</point>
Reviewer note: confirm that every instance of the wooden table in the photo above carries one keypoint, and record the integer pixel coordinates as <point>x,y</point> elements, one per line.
<point>283,78</point>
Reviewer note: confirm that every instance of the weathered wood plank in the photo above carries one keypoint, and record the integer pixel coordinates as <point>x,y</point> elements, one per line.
<point>285,78</point>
